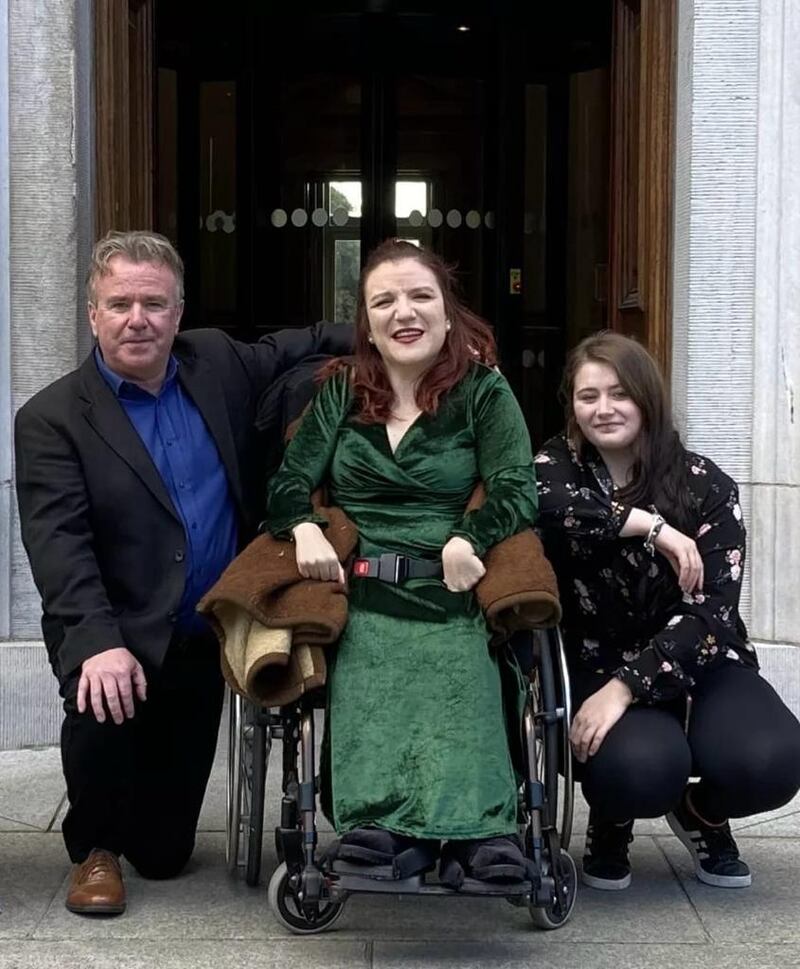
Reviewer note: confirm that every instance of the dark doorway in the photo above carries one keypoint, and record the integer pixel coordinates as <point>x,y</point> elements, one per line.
<point>288,144</point>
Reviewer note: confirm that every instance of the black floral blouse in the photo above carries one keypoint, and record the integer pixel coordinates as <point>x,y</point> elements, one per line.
<point>624,612</point>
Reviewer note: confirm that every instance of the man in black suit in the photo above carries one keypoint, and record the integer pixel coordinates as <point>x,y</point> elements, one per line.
<point>136,488</point>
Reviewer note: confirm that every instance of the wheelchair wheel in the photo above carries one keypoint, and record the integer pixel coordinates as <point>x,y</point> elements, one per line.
<point>559,908</point>
<point>248,754</point>
<point>554,760</point>
<point>286,906</point>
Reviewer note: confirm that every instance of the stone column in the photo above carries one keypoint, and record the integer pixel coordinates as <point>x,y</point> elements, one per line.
<point>40,331</point>
<point>775,520</point>
<point>5,339</point>
<point>736,285</point>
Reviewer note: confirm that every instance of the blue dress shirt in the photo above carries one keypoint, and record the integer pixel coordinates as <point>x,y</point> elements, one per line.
<point>182,449</point>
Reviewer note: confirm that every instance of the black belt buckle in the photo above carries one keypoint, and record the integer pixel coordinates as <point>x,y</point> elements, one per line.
<point>392,567</point>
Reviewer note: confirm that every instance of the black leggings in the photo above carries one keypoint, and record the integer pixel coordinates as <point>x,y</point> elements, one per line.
<point>742,742</point>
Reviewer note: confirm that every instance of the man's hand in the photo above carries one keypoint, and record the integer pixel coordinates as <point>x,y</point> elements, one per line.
<point>597,716</point>
<point>462,567</point>
<point>112,675</point>
<point>316,557</point>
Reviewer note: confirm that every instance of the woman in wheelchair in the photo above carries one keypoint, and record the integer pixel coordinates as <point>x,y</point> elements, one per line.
<point>416,745</point>
<point>648,544</point>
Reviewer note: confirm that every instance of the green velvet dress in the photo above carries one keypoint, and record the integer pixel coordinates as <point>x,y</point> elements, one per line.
<point>416,738</point>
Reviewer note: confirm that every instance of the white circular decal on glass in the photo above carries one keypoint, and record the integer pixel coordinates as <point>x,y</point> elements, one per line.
<point>435,218</point>
<point>278,218</point>
<point>319,217</point>
<point>299,218</point>
<point>415,218</point>
<point>339,216</point>
<point>454,218</point>
<point>473,219</point>
<point>488,220</point>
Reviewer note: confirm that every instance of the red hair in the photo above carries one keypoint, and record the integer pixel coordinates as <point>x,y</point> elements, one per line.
<point>470,339</point>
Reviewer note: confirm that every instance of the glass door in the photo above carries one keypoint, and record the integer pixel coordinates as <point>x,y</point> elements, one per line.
<point>289,144</point>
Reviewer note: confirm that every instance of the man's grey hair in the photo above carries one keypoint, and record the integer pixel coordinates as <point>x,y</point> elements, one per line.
<point>136,246</point>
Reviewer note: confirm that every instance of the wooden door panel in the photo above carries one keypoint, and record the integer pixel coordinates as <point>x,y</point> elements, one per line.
<point>642,84</point>
<point>124,115</point>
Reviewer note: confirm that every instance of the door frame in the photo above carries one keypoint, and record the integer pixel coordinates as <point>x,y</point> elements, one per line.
<point>643,69</point>
<point>124,142</point>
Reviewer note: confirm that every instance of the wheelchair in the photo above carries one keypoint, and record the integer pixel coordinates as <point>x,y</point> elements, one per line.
<point>307,891</point>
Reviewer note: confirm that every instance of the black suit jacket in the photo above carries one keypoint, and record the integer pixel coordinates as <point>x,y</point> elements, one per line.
<point>106,545</point>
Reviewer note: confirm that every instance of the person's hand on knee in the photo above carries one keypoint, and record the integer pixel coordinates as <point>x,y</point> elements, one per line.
<point>110,679</point>
<point>596,716</point>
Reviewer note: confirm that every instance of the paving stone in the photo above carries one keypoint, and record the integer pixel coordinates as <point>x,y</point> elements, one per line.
<point>32,867</point>
<point>207,918</point>
<point>203,903</point>
<point>782,823</point>
<point>31,788</point>
<point>781,827</point>
<point>765,912</point>
<point>212,815</point>
<point>59,818</point>
<point>508,955</point>
<point>318,953</point>
<point>653,910</point>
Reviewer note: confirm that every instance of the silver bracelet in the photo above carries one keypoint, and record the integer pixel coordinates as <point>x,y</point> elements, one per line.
<point>652,535</point>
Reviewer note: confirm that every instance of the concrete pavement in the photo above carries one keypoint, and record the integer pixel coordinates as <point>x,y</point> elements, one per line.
<point>207,918</point>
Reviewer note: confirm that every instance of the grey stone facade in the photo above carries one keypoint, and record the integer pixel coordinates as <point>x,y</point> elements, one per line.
<point>736,325</point>
<point>736,331</point>
<point>39,323</point>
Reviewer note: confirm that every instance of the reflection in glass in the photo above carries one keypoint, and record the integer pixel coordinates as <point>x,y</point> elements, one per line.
<point>410,197</point>
<point>347,265</point>
<point>347,196</point>
<point>217,202</point>
<point>534,265</point>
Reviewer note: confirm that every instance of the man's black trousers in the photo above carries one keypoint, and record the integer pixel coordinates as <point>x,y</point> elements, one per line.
<point>137,788</point>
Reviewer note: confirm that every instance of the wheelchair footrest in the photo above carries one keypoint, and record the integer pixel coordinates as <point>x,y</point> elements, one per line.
<point>370,872</point>
<point>375,878</point>
<point>347,879</point>
<point>474,886</point>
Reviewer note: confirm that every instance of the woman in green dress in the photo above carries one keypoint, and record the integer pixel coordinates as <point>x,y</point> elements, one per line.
<point>417,750</point>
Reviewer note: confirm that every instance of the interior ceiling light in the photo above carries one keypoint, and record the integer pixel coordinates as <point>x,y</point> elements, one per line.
<point>463,28</point>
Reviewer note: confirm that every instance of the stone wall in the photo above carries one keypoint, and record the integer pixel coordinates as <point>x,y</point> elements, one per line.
<point>39,326</point>
<point>736,347</point>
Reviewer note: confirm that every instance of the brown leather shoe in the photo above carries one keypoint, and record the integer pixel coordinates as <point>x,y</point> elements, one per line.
<point>96,887</point>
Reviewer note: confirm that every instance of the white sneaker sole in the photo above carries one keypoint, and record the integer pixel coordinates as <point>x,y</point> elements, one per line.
<point>606,884</point>
<point>717,881</point>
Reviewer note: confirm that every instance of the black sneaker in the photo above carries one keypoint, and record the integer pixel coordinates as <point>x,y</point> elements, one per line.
<point>606,864</point>
<point>713,850</point>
